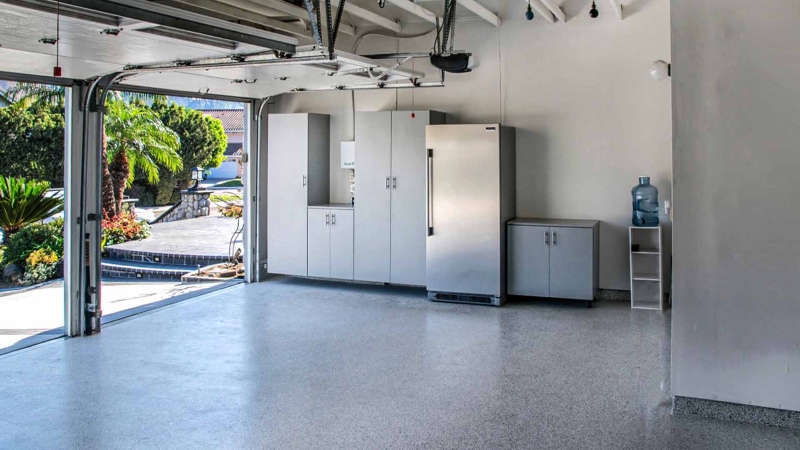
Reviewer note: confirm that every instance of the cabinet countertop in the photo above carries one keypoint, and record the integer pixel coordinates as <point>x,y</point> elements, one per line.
<point>567,223</point>
<point>332,206</point>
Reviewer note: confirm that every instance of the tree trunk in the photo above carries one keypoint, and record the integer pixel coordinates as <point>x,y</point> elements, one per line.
<point>120,169</point>
<point>109,203</point>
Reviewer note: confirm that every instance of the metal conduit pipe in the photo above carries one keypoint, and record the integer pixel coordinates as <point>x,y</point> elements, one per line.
<point>305,60</point>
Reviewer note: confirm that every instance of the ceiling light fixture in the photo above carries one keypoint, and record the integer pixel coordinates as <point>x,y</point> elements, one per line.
<point>529,12</point>
<point>593,13</point>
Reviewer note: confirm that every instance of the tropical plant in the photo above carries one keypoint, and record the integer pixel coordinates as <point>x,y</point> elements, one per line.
<point>203,143</point>
<point>123,228</point>
<point>23,202</point>
<point>136,139</point>
<point>29,95</point>
<point>48,236</point>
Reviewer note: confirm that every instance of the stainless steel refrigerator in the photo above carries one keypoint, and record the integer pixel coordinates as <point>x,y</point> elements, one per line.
<point>471,195</point>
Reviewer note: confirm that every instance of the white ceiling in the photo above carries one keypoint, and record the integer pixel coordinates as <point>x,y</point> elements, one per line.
<point>85,53</point>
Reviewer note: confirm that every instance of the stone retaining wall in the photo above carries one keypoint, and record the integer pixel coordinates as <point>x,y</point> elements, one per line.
<point>193,204</point>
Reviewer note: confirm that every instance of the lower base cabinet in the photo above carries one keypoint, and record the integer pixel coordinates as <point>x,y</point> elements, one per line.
<point>553,258</point>
<point>330,243</point>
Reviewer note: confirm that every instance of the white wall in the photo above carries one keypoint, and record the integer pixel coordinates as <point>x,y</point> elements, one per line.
<point>589,118</point>
<point>736,318</point>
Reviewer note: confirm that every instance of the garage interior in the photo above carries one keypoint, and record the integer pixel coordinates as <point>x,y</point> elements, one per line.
<point>435,192</point>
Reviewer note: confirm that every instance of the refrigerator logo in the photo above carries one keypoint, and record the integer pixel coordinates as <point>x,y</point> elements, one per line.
<point>491,128</point>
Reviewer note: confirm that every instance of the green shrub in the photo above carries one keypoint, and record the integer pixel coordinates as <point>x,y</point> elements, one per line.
<point>39,274</point>
<point>23,202</point>
<point>48,236</point>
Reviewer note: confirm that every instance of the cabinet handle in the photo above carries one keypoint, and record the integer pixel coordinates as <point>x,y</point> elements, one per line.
<point>429,186</point>
<point>304,181</point>
<point>394,182</point>
<point>333,220</point>
<point>546,240</point>
<point>387,182</point>
<point>327,219</point>
<point>554,238</point>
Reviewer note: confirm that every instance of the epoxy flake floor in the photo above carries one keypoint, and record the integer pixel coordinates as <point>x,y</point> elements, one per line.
<point>301,364</point>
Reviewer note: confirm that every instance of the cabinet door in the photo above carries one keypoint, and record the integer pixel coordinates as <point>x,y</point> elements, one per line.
<point>342,244</point>
<point>571,263</point>
<point>319,243</point>
<point>528,261</point>
<point>373,196</point>
<point>287,156</point>
<point>409,167</point>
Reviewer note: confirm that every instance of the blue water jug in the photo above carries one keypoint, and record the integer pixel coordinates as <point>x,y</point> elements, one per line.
<point>645,203</point>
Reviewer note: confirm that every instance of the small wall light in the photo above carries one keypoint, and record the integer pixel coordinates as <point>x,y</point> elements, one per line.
<point>661,70</point>
<point>197,176</point>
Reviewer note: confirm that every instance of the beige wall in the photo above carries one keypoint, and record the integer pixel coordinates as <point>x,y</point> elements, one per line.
<point>589,118</point>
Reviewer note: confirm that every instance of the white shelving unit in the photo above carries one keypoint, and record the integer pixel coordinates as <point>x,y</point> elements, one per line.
<point>647,267</point>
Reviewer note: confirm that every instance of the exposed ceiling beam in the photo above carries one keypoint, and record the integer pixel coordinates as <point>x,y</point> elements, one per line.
<point>542,10</point>
<point>286,8</point>
<point>133,25</point>
<point>481,11</point>
<point>243,14</point>
<point>415,9</point>
<point>370,16</point>
<point>166,16</point>
<point>555,9</point>
<point>617,7</point>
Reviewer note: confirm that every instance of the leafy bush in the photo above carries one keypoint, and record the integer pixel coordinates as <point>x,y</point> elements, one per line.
<point>23,202</point>
<point>38,236</point>
<point>32,142</point>
<point>41,256</point>
<point>123,228</point>
<point>41,266</point>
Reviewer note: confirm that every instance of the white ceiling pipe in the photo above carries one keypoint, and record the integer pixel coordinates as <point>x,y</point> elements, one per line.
<point>555,9</point>
<point>542,10</point>
<point>415,9</point>
<point>617,7</point>
<point>250,16</point>
<point>481,11</point>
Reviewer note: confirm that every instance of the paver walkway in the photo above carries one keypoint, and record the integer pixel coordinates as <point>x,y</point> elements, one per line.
<point>201,236</point>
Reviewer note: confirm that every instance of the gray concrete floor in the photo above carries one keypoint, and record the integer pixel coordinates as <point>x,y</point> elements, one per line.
<point>297,364</point>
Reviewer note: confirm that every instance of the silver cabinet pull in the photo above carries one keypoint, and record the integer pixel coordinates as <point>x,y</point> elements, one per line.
<point>387,182</point>
<point>429,186</point>
<point>333,220</point>
<point>304,181</point>
<point>327,219</point>
<point>394,182</point>
<point>554,238</point>
<point>546,240</point>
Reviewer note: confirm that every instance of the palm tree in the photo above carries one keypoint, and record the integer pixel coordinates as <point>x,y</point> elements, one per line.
<point>23,202</point>
<point>35,95</point>
<point>136,139</point>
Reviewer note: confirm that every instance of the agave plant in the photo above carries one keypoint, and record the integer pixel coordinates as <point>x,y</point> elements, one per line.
<point>23,202</point>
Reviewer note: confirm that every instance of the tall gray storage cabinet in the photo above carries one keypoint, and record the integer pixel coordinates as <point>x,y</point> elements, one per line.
<point>553,258</point>
<point>390,202</point>
<point>298,156</point>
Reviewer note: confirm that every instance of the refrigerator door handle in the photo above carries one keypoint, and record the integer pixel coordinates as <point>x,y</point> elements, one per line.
<point>428,186</point>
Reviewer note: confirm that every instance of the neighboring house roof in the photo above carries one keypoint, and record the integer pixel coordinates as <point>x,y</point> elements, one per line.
<point>232,119</point>
<point>234,149</point>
